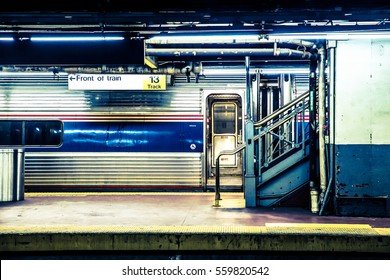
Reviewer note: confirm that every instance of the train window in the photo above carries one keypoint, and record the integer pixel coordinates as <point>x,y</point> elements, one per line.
<point>43,133</point>
<point>11,133</point>
<point>224,115</point>
<point>26,133</point>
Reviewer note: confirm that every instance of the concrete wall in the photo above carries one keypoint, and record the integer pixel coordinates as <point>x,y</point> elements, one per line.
<point>362,134</point>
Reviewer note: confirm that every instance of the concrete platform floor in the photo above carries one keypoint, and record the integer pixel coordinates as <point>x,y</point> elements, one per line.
<point>187,222</point>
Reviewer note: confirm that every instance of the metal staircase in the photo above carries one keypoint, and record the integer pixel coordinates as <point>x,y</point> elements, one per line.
<point>283,152</point>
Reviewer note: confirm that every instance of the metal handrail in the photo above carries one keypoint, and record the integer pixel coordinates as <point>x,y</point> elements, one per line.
<point>278,123</point>
<point>217,176</point>
<point>282,109</point>
<point>283,115</point>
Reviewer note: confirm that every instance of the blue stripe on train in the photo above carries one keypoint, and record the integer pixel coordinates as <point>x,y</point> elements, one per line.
<point>131,137</point>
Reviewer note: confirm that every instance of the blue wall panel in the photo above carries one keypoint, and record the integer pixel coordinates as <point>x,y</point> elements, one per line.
<point>362,180</point>
<point>363,170</point>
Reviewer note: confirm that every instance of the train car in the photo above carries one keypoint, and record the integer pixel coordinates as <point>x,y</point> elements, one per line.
<point>132,140</point>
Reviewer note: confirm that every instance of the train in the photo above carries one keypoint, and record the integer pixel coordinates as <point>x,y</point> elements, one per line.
<point>137,140</point>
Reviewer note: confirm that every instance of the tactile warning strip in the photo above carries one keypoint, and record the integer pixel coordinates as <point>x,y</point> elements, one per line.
<point>333,229</point>
<point>302,229</point>
<point>133,229</point>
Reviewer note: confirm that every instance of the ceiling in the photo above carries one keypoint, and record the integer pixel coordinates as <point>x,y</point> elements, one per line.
<point>119,13</point>
<point>148,18</point>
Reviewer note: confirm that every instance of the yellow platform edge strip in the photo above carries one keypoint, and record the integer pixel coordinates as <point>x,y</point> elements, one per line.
<point>297,229</point>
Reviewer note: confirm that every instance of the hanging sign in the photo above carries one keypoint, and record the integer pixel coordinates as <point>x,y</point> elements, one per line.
<point>116,82</point>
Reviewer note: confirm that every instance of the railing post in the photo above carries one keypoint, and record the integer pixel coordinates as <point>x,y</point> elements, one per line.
<point>250,179</point>
<point>303,132</point>
<point>248,89</point>
<point>217,184</point>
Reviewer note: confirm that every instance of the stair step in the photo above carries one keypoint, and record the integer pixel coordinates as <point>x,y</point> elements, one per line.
<point>284,165</point>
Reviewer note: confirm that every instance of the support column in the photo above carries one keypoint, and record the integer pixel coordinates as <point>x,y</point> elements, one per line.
<point>331,47</point>
<point>11,175</point>
<point>250,179</point>
<point>313,134</point>
<point>321,120</point>
<point>248,94</point>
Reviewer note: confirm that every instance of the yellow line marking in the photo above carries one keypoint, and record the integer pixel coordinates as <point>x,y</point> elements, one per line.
<point>323,228</point>
<point>130,229</point>
<point>57,194</point>
<point>383,231</point>
<point>98,229</point>
<point>316,225</point>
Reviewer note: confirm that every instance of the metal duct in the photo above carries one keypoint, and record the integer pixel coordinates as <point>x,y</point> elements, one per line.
<point>227,52</point>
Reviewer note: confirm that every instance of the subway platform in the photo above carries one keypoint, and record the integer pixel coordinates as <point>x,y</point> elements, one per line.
<point>179,225</point>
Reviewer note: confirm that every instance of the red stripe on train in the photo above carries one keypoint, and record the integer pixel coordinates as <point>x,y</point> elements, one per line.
<point>105,117</point>
<point>29,188</point>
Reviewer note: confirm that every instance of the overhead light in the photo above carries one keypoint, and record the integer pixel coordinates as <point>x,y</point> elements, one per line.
<point>332,36</point>
<point>203,38</point>
<point>242,72</point>
<point>75,38</point>
<point>6,39</point>
<point>32,74</point>
<point>369,36</point>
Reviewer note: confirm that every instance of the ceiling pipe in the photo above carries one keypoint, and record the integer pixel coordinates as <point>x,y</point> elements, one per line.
<point>225,39</point>
<point>194,52</point>
<point>170,70</point>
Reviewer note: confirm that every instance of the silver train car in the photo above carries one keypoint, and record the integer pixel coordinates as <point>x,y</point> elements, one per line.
<point>133,140</point>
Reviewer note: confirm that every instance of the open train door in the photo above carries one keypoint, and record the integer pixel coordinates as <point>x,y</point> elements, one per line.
<point>224,131</point>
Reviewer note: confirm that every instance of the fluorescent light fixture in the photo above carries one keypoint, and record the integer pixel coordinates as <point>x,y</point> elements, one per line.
<point>6,39</point>
<point>331,36</point>
<point>75,38</point>
<point>242,72</point>
<point>284,71</point>
<point>214,25</point>
<point>369,36</point>
<point>206,38</point>
<point>31,74</point>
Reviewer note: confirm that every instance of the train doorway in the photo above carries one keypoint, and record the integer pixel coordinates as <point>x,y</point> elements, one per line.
<point>224,131</point>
